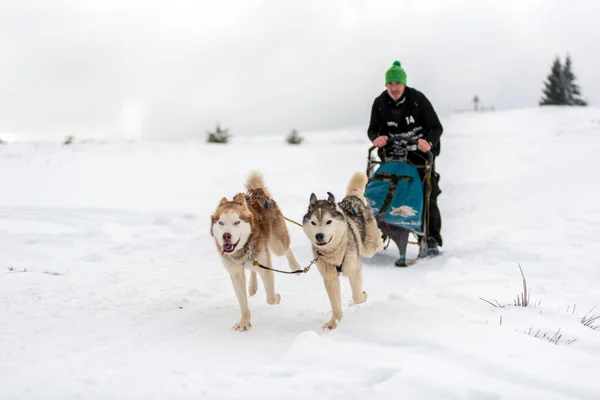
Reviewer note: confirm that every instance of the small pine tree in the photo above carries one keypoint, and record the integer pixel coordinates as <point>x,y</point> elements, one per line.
<point>554,91</point>
<point>571,87</point>
<point>219,135</point>
<point>561,87</point>
<point>69,140</point>
<point>294,137</point>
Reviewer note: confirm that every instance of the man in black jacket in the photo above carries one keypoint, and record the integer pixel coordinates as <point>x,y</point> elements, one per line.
<point>405,113</point>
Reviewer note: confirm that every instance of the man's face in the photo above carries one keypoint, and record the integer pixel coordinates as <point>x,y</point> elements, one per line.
<point>395,90</point>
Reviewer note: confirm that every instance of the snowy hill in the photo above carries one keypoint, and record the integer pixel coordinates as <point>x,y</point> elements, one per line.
<point>110,286</point>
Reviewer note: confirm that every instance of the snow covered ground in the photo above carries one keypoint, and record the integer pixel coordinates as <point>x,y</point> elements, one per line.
<point>110,286</point>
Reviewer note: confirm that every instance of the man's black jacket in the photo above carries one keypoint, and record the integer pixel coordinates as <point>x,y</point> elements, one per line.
<point>411,117</point>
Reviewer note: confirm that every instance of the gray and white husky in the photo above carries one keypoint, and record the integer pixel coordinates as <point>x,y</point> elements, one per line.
<point>341,233</point>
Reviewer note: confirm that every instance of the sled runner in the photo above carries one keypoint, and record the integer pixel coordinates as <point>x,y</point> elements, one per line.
<point>399,197</point>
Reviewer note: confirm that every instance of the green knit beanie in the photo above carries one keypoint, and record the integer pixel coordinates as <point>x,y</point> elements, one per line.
<point>395,74</point>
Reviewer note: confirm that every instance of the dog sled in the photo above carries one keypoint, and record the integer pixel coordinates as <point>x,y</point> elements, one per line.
<point>399,197</point>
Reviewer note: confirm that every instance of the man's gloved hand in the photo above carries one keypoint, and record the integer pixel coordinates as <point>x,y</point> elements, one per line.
<point>423,145</point>
<point>380,141</point>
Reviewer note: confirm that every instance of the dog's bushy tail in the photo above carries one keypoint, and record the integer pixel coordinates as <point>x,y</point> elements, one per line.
<point>357,184</point>
<point>255,181</point>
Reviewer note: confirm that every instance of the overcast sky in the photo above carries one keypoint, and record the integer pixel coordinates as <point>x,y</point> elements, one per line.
<point>171,69</point>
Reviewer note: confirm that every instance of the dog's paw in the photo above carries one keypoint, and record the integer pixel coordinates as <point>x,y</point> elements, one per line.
<point>359,298</point>
<point>253,288</point>
<point>362,299</point>
<point>331,325</point>
<point>243,325</point>
<point>276,300</point>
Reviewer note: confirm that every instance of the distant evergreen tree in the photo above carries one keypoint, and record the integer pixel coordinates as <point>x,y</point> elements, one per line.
<point>294,137</point>
<point>554,90</point>
<point>571,87</point>
<point>219,135</point>
<point>561,86</point>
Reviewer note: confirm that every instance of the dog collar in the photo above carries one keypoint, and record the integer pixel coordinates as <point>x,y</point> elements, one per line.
<point>337,267</point>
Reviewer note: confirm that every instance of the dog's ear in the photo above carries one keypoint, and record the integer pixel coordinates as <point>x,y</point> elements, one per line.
<point>223,201</point>
<point>313,198</point>
<point>331,198</point>
<point>240,199</point>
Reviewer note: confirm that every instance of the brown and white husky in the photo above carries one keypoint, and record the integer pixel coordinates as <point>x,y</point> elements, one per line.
<point>251,226</point>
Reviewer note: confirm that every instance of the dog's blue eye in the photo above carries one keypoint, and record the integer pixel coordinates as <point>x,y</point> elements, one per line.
<point>328,222</point>
<point>236,223</point>
<point>221,223</point>
<point>312,222</point>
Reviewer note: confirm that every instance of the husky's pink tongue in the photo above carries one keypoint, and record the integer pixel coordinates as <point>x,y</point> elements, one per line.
<point>226,248</point>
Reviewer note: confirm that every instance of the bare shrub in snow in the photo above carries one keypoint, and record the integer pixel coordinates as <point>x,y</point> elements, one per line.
<point>552,338</point>
<point>523,299</point>
<point>591,321</point>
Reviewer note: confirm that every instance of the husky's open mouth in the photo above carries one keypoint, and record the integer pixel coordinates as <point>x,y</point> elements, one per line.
<point>324,243</point>
<point>229,247</point>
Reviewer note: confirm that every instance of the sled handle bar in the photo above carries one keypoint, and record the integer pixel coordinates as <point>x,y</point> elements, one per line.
<point>429,155</point>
